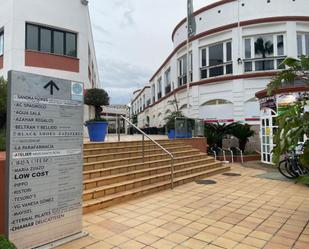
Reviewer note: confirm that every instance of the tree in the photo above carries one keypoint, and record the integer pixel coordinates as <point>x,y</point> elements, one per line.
<point>97,98</point>
<point>216,132</point>
<point>242,132</point>
<point>263,47</point>
<point>293,124</point>
<point>3,100</point>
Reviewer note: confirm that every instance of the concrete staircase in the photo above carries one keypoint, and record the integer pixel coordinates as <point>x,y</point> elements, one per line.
<point>116,172</point>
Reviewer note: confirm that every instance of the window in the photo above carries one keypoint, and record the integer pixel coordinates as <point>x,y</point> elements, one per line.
<point>264,52</point>
<point>182,70</point>
<point>46,41</point>
<point>159,88</point>
<point>58,42</point>
<point>1,43</point>
<point>32,37</point>
<point>167,76</point>
<point>216,60</point>
<point>71,48</point>
<point>303,44</point>
<point>144,101</point>
<point>153,91</point>
<point>49,40</point>
<point>217,102</point>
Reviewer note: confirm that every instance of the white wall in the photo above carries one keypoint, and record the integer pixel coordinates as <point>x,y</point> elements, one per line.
<point>237,91</point>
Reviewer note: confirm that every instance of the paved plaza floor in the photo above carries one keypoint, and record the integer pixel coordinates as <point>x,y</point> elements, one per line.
<point>239,212</point>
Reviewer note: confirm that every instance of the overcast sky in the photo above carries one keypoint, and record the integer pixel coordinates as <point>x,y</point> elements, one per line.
<point>132,39</point>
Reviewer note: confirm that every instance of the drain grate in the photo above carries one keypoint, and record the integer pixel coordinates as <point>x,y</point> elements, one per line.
<point>206,182</point>
<point>231,174</point>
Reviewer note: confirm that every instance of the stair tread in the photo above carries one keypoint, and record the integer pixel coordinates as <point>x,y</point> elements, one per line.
<point>130,146</point>
<point>143,170</point>
<point>138,157</point>
<point>137,164</point>
<point>101,188</point>
<point>148,187</point>
<point>130,142</point>
<point>133,151</point>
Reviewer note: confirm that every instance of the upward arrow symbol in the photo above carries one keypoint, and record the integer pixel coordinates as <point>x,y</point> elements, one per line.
<point>51,85</point>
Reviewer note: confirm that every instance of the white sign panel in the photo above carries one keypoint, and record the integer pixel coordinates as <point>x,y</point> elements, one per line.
<point>45,159</point>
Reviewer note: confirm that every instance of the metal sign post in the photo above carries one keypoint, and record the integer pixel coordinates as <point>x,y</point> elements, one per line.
<point>45,160</point>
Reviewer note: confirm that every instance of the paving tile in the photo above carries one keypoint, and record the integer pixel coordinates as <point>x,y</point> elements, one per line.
<point>282,240</point>
<point>117,240</point>
<point>132,233</point>
<point>261,235</point>
<point>176,237</point>
<point>212,247</point>
<point>241,230</point>
<point>145,227</point>
<point>234,236</point>
<point>113,226</point>
<point>160,232</point>
<point>301,245</point>
<point>254,242</point>
<point>187,231</point>
<point>147,239</point>
<point>100,245</point>
<point>277,246</point>
<point>163,243</point>
<point>81,243</point>
<point>224,243</point>
<point>304,238</point>
<point>171,226</point>
<point>215,230</point>
<point>206,237</point>
<point>194,244</point>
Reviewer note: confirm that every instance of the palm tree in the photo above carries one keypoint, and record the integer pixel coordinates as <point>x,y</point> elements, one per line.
<point>264,48</point>
<point>297,70</point>
<point>215,133</point>
<point>243,132</point>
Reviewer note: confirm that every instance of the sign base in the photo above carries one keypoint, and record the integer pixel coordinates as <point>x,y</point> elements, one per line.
<point>63,241</point>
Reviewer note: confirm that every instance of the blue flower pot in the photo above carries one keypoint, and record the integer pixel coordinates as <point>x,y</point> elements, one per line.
<point>97,131</point>
<point>171,134</point>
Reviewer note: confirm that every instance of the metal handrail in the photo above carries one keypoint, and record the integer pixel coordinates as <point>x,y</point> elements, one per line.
<point>223,153</point>
<point>214,152</point>
<point>241,155</point>
<point>156,143</point>
<point>232,154</point>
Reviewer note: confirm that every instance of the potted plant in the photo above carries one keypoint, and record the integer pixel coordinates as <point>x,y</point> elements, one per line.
<point>97,127</point>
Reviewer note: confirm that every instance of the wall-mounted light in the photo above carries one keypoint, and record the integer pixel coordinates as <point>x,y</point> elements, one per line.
<point>84,2</point>
<point>239,61</point>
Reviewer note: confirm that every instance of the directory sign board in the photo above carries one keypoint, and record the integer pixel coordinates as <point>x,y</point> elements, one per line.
<point>45,159</point>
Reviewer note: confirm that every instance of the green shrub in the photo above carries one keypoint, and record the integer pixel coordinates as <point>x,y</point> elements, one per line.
<point>2,140</point>
<point>97,98</point>
<point>5,244</point>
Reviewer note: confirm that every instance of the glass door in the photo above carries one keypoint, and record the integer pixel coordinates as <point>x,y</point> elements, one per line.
<point>267,130</point>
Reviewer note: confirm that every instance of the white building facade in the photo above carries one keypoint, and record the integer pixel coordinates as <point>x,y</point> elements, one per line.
<point>238,47</point>
<point>51,38</point>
